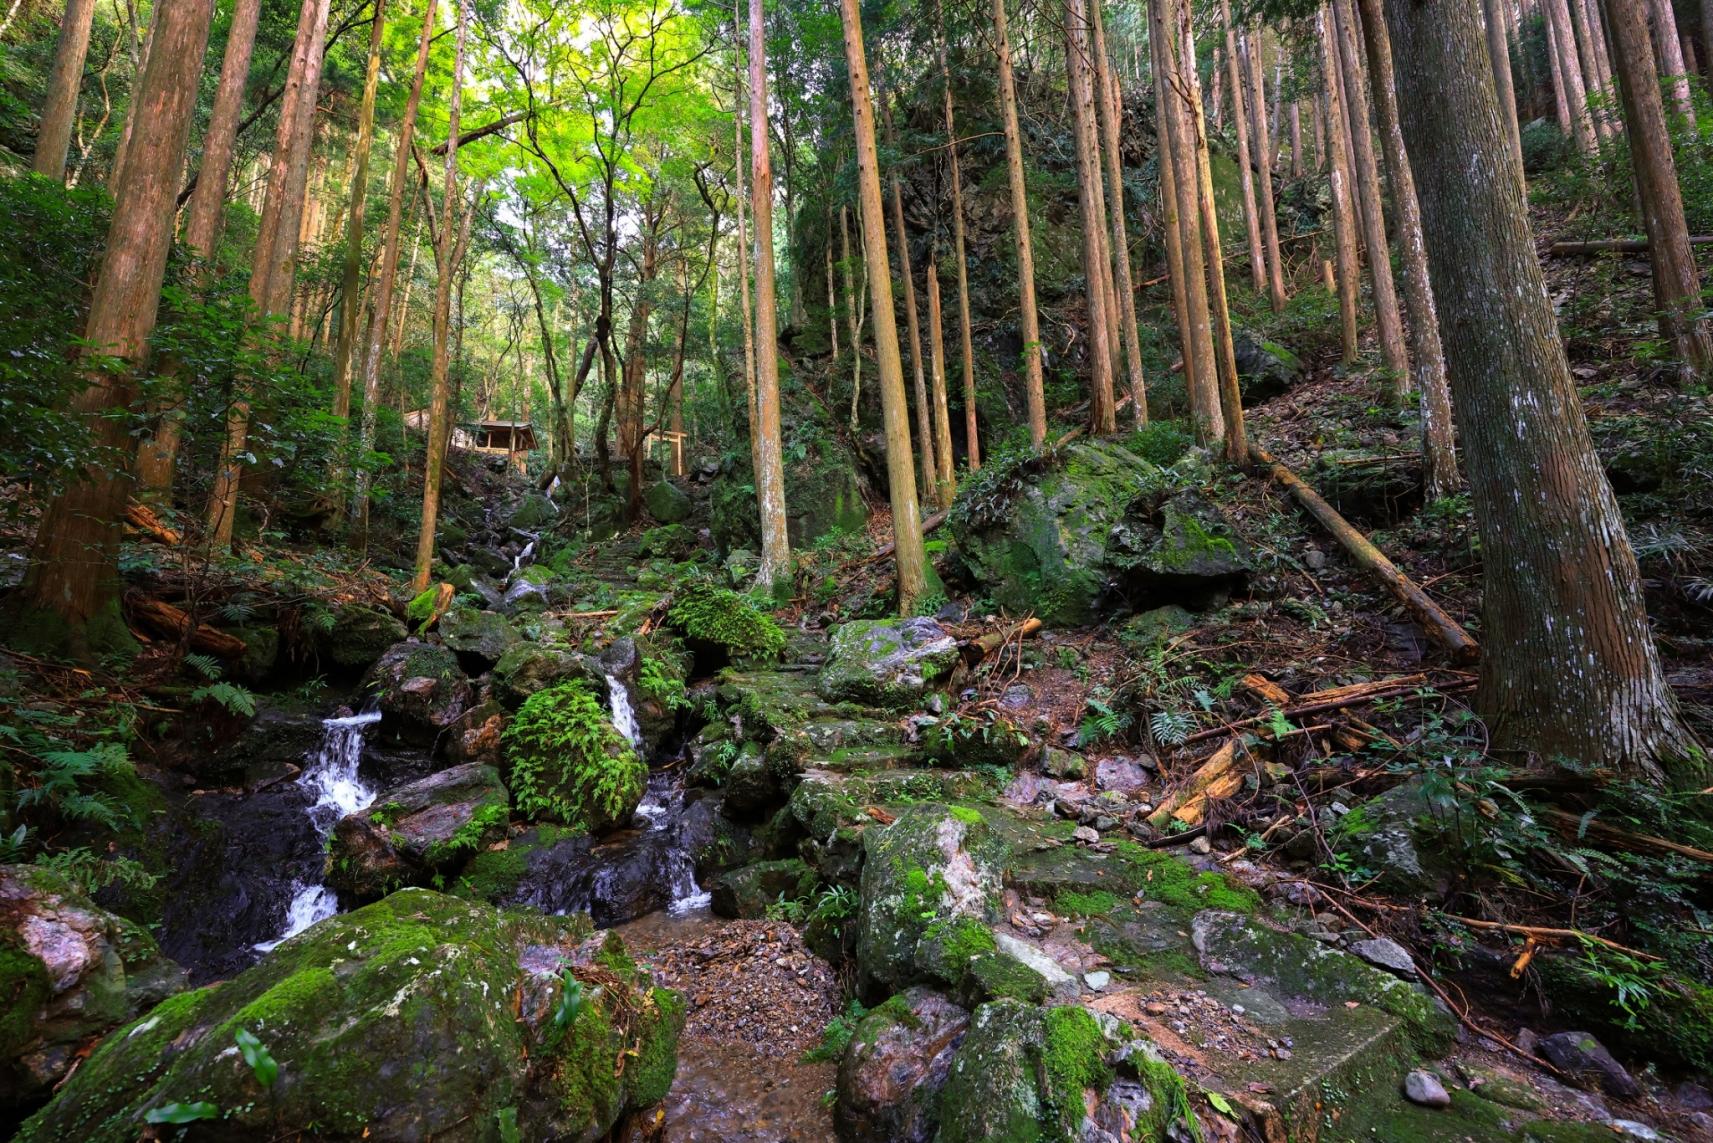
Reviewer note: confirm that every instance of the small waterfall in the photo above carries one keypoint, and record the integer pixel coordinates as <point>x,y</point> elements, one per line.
<point>332,777</point>
<point>659,812</point>
<point>518,560</point>
<point>624,718</point>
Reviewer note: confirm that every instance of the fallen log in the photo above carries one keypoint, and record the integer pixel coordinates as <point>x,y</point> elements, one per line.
<point>1218,777</point>
<point>985,645</point>
<point>143,519</point>
<point>1082,429</point>
<point>1337,698</point>
<point>1442,628</point>
<point>1573,825</point>
<point>166,620</point>
<point>928,525</point>
<point>1266,690</point>
<point>1614,246</point>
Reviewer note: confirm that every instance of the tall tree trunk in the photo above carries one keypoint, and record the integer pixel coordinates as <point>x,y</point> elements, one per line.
<point>1034,387</point>
<point>69,600</point>
<point>945,484</point>
<point>966,341</point>
<point>633,379</point>
<point>1499,50</point>
<point>775,573</point>
<point>1386,313</point>
<point>1588,50</point>
<point>65,80</point>
<point>895,410</point>
<point>1427,355</point>
<point>1568,666</point>
<point>1555,70</point>
<point>350,312</point>
<point>276,245</point>
<point>854,312</point>
<point>833,299</point>
<point>446,251</point>
<point>1677,282</point>
<point>380,309</point>
<point>1670,58</point>
<point>738,152</point>
<point>1570,68</point>
<point>1251,212</point>
<point>1343,213</point>
<point>1103,419</point>
<point>929,463</point>
<point>157,454</point>
<point>1111,104</point>
<point>1171,225</point>
<point>1296,139</point>
<point>1264,149</point>
<point>1230,396</point>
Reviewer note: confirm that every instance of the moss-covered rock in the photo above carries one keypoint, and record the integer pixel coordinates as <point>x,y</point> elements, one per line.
<point>748,891</point>
<point>528,668</point>
<point>1265,369</point>
<point>666,502</point>
<point>532,512</point>
<point>420,1016</point>
<point>822,496</point>
<point>359,635</point>
<point>668,542</point>
<point>568,763</point>
<point>891,1073</point>
<point>480,637</point>
<point>889,663</point>
<point>1674,1027</point>
<point>414,832</point>
<point>420,687</point>
<point>70,971</point>
<point>720,626</point>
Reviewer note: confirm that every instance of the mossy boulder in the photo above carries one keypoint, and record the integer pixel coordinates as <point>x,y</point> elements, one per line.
<point>533,512</point>
<point>359,635</point>
<point>1409,846</point>
<point>479,638</point>
<point>410,834</point>
<point>889,663</point>
<point>720,626</point>
<point>667,542</point>
<point>70,972</point>
<point>667,503</point>
<point>1675,1026</point>
<point>1071,535</point>
<point>891,1074</point>
<point>420,1016</point>
<point>822,496</point>
<point>566,762</point>
<point>746,892</point>
<point>1265,369</point>
<point>528,668</point>
<point>421,688</point>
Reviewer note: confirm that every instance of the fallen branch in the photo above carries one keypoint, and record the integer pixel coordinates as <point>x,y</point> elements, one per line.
<point>1337,698</point>
<point>1083,428</point>
<point>143,519</point>
<point>1614,246</point>
<point>1218,777</point>
<point>1574,825</point>
<point>1539,932</point>
<point>167,620</point>
<point>928,525</point>
<point>1442,628</point>
<point>987,644</point>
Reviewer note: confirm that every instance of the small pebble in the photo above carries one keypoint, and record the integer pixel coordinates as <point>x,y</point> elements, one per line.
<point>1424,1088</point>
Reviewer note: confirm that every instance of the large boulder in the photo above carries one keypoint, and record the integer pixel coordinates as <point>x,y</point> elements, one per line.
<point>533,512</point>
<point>420,687</point>
<point>889,663</point>
<point>416,831</point>
<point>528,668</point>
<point>478,637</point>
<point>1265,369</point>
<point>1072,535</point>
<point>359,635</point>
<point>891,1075</point>
<point>70,972</point>
<point>747,892</point>
<point>666,502</point>
<point>418,1017</point>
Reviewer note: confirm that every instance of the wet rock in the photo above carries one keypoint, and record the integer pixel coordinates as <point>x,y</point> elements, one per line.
<point>891,1075</point>
<point>70,972</point>
<point>1387,954</point>
<point>889,663</point>
<point>414,832</point>
<point>747,892</point>
<point>1399,835</point>
<point>1423,1087</point>
<point>359,635</point>
<point>421,689</point>
<point>528,667</point>
<point>1120,775</point>
<point>479,638</point>
<point>418,1017</point>
<point>533,512</point>
<point>1588,1062</point>
<point>524,595</point>
<point>1060,763</point>
<point>666,502</point>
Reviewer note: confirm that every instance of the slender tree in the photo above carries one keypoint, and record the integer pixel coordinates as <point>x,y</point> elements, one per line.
<point>1670,56</point>
<point>775,573</point>
<point>65,80</point>
<point>1676,279</point>
<point>1264,171</point>
<point>1034,388</point>
<point>1246,173</point>
<point>1568,666</point>
<point>351,282</point>
<point>1092,199</point>
<point>1111,107</point>
<point>895,410</point>
<point>1570,70</point>
<point>966,341</point>
<point>69,599</point>
<point>1171,227</point>
<point>901,239</point>
<point>945,484</point>
<point>1499,52</point>
<point>1343,208</point>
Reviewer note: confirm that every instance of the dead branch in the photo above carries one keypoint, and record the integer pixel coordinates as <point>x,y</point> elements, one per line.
<point>166,620</point>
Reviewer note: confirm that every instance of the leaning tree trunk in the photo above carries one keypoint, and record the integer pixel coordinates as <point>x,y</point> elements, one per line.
<point>1034,387</point>
<point>1670,57</point>
<point>65,80</point>
<point>945,484</point>
<point>1569,668</point>
<point>382,300</point>
<point>1499,51</point>
<point>895,410</point>
<point>1677,281</point>
<point>1570,69</point>
<point>1171,225</point>
<point>350,311</point>
<point>1343,208</point>
<point>966,340</point>
<point>69,600</point>
<point>775,573</point>
<point>1251,213</point>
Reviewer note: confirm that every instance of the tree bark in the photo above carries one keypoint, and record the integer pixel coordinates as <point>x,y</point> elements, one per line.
<point>69,600</point>
<point>1555,69</point>
<point>1570,69</point>
<point>350,312</point>
<point>1499,50</point>
<point>1171,223</point>
<point>929,463</point>
<point>446,253</point>
<point>276,245</point>
<point>1111,107</point>
<point>738,150</point>
<point>1676,279</point>
<point>1387,317</point>
<point>945,484</point>
<point>1587,43</point>
<point>65,80</point>
<point>1343,220</point>
<point>1263,147</point>
<point>1670,57</point>
<point>1034,386</point>
<point>1251,212</point>
<point>966,341</point>
<point>775,573</point>
<point>381,303</point>
<point>1427,355</point>
<point>1092,199</point>
<point>1570,668</point>
<point>895,410</point>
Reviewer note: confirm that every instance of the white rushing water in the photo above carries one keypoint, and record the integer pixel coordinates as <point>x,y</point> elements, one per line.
<point>659,811</point>
<point>518,560</point>
<point>624,717</point>
<point>339,790</point>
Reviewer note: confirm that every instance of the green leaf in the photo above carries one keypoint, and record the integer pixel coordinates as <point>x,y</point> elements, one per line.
<point>256,1054</point>
<point>1220,1104</point>
<point>181,1112</point>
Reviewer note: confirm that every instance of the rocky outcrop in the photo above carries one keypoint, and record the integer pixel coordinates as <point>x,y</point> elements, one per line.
<point>747,892</point>
<point>1071,536</point>
<point>891,1075</point>
<point>420,687</point>
<point>666,502</point>
<point>70,972</point>
<point>528,667</point>
<point>479,638</point>
<point>410,834</point>
<point>418,1017</point>
<point>359,635</point>
<point>889,663</point>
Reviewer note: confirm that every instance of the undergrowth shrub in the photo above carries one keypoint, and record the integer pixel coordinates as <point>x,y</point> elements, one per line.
<point>708,614</point>
<point>569,763</point>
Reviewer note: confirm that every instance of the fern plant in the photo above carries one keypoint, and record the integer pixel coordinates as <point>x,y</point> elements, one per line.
<point>700,611</point>
<point>568,763</point>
